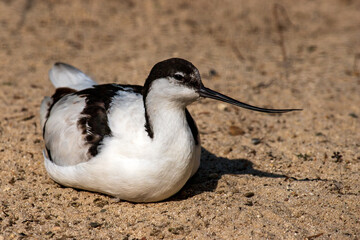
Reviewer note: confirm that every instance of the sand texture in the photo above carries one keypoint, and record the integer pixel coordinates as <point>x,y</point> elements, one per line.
<point>290,176</point>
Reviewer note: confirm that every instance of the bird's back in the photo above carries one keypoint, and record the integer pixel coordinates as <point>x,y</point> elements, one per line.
<point>78,122</point>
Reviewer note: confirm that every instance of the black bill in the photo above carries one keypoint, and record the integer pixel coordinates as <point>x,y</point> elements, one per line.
<point>208,93</point>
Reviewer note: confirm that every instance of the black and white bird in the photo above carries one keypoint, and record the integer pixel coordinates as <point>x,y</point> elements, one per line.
<point>135,143</point>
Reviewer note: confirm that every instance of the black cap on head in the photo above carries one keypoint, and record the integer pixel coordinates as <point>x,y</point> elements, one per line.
<point>178,68</point>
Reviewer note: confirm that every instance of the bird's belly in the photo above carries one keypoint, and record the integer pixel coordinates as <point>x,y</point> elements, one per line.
<point>142,179</point>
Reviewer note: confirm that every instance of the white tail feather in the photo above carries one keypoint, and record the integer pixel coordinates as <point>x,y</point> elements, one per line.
<point>64,75</point>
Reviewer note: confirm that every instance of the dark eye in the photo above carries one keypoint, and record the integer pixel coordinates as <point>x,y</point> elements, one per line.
<point>178,77</point>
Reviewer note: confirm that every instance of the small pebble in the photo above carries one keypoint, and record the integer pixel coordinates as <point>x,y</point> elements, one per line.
<point>95,224</point>
<point>213,72</point>
<point>235,131</point>
<point>249,203</point>
<point>311,48</point>
<point>75,204</point>
<point>255,141</point>
<point>100,202</point>
<point>353,115</point>
<point>249,194</point>
<point>57,228</point>
<point>222,107</point>
<point>227,151</point>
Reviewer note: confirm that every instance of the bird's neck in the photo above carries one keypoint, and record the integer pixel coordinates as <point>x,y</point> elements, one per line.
<point>165,119</point>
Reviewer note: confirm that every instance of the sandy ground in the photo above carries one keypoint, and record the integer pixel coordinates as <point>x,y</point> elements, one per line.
<point>262,176</point>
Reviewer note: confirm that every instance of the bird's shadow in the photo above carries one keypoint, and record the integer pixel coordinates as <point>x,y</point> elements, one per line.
<point>213,167</point>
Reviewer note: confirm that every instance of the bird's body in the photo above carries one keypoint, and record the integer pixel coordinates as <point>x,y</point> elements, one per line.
<point>135,143</point>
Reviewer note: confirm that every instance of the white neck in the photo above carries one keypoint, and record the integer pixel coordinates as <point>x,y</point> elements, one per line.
<point>166,119</point>
<point>165,106</point>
